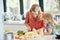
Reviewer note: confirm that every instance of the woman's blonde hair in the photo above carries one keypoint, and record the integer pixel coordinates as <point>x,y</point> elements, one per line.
<point>48,17</point>
<point>33,9</point>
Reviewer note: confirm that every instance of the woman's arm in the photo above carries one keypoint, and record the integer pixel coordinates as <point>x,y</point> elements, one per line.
<point>27,21</point>
<point>28,27</point>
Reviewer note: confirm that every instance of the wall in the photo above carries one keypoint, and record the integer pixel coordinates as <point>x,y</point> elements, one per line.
<point>1,21</point>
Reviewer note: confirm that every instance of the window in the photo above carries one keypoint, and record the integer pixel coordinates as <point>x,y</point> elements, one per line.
<point>15,10</point>
<point>51,5</point>
<point>12,10</point>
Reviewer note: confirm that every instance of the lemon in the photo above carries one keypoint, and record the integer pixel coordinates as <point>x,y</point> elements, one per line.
<point>6,30</point>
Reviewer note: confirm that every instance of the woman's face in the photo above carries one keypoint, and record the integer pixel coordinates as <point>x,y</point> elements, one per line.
<point>36,10</point>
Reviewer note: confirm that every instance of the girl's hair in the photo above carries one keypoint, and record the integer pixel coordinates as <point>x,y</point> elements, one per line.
<point>48,17</point>
<point>33,9</point>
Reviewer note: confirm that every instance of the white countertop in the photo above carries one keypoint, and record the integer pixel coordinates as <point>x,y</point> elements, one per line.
<point>47,37</point>
<point>14,22</point>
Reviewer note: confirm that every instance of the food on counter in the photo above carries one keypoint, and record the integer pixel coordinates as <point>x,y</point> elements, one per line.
<point>6,31</point>
<point>29,34</point>
<point>16,36</point>
<point>20,32</point>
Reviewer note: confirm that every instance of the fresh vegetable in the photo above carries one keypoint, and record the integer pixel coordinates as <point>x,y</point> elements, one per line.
<point>20,32</point>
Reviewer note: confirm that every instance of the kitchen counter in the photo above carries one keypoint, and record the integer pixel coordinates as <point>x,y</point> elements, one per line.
<point>47,37</point>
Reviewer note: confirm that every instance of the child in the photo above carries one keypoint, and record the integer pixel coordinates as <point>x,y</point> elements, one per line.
<point>50,24</point>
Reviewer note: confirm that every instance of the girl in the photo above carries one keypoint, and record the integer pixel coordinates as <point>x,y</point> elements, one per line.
<point>50,24</point>
<point>34,19</point>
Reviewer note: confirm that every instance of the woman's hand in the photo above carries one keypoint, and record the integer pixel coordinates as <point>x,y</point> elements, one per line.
<point>35,31</point>
<point>28,28</point>
<point>40,31</point>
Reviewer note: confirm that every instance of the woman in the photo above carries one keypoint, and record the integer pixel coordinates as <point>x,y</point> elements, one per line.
<point>34,18</point>
<point>50,24</point>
